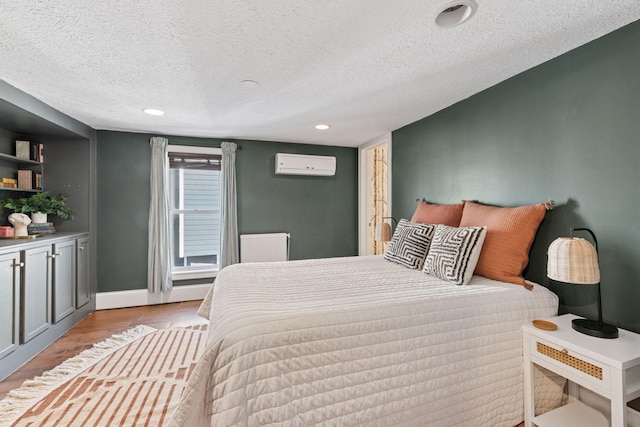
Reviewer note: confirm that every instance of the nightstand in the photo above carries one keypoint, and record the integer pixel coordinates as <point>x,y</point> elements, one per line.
<point>608,367</point>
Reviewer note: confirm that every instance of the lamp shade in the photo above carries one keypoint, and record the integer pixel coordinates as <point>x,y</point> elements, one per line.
<point>383,232</point>
<point>573,260</point>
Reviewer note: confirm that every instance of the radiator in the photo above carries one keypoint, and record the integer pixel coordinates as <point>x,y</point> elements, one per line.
<point>264,247</point>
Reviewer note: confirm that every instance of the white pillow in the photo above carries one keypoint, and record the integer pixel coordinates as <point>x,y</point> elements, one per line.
<point>410,244</point>
<point>454,253</point>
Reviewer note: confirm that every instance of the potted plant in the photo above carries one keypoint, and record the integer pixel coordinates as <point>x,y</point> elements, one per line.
<point>39,205</point>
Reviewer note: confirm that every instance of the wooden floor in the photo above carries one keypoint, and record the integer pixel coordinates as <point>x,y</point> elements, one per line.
<point>99,326</point>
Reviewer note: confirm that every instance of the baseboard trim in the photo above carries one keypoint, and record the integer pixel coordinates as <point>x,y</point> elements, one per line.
<point>137,297</point>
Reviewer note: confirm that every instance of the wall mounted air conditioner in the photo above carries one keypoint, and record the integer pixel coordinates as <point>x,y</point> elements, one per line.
<point>300,164</point>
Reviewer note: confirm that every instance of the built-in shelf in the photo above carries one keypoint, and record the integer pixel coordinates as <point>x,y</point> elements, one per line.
<point>18,160</point>
<point>70,159</point>
<point>20,190</point>
<point>15,163</point>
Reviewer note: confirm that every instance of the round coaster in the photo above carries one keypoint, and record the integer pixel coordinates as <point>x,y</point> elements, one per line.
<point>545,325</point>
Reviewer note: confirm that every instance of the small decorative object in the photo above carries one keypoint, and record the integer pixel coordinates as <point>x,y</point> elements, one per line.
<point>41,228</point>
<point>38,218</point>
<point>6,231</point>
<point>383,230</point>
<point>545,325</point>
<point>40,203</point>
<point>20,223</point>
<point>574,260</point>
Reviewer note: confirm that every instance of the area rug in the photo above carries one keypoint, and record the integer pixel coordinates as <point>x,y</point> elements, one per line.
<point>132,379</point>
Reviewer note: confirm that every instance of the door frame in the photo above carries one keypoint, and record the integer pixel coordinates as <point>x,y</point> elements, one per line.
<point>363,187</point>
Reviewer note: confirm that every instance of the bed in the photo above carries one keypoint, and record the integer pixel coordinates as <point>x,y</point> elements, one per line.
<point>362,341</point>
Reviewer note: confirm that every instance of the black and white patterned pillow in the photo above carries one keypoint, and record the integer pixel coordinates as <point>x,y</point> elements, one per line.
<point>454,253</point>
<point>410,244</point>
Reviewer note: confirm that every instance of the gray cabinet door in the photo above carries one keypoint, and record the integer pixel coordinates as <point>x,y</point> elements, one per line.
<point>83,293</point>
<point>36,292</point>
<point>64,279</point>
<point>9,302</point>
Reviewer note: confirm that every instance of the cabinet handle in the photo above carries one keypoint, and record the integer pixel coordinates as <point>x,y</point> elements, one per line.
<point>55,255</point>
<point>18,264</point>
<point>81,248</point>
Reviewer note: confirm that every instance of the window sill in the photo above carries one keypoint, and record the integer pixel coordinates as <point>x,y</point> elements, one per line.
<point>197,274</point>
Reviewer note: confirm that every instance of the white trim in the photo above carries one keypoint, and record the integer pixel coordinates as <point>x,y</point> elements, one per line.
<point>191,273</point>
<point>186,273</point>
<point>362,186</point>
<point>133,298</point>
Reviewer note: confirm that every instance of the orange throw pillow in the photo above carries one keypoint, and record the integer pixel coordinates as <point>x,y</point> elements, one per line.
<point>429,213</point>
<point>510,234</point>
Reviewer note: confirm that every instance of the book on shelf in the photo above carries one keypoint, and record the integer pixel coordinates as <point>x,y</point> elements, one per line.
<point>29,180</point>
<point>9,183</point>
<point>37,181</point>
<point>22,149</point>
<point>26,179</point>
<point>36,152</point>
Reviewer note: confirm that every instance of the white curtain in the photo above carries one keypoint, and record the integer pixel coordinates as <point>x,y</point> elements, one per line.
<point>159,257</point>
<point>228,207</point>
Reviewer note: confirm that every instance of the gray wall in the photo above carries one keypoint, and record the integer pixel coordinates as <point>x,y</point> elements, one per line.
<point>568,130</point>
<point>319,212</point>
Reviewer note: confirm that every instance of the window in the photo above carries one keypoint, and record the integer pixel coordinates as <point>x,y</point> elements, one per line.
<point>194,210</point>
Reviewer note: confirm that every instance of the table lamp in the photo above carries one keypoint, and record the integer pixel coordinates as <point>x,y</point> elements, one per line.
<point>574,260</point>
<point>383,230</point>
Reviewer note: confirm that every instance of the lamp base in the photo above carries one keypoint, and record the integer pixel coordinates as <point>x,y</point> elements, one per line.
<point>594,328</point>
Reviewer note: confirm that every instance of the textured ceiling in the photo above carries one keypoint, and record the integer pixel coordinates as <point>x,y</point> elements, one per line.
<point>366,67</point>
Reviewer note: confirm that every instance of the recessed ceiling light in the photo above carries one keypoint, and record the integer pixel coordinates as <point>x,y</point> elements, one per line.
<point>249,83</point>
<point>153,112</point>
<point>456,13</point>
<point>322,127</point>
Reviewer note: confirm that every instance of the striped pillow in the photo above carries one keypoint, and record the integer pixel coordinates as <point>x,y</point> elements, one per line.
<point>454,253</point>
<point>410,244</point>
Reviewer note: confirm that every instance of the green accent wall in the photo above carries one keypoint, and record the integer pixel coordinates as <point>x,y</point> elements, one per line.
<point>319,212</point>
<point>567,130</point>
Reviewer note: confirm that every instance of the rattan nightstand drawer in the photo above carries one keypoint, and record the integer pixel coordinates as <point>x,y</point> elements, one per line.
<point>574,362</point>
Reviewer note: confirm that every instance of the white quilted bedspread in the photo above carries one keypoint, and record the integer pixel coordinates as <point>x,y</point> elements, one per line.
<point>360,341</point>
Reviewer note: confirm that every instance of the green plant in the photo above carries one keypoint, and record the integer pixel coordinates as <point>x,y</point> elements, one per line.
<point>40,202</point>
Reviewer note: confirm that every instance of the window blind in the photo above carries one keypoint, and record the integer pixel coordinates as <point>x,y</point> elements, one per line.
<point>194,161</point>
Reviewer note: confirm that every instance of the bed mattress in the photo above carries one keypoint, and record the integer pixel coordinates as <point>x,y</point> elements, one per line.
<point>361,341</point>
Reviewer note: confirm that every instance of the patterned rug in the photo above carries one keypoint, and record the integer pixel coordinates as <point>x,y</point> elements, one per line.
<point>132,379</point>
